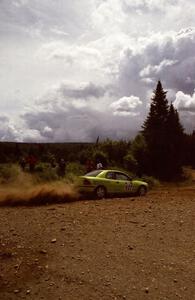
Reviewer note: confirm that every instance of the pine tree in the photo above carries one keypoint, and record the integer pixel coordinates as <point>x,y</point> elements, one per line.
<point>155,133</point>
<point>175,129</point>
<point>164,136</point>
<point>175,142</point>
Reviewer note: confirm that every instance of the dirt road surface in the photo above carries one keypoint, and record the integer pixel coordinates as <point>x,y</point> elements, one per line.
<point>122,248</point>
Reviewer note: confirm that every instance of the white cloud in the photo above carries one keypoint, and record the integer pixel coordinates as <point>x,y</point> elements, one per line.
<point>126,106</point>
<point>185,102</point>
<point>8,131</point>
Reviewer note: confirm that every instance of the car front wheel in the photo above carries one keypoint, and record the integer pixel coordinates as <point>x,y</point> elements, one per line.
<point>100,192</point>
<point>142,191</point>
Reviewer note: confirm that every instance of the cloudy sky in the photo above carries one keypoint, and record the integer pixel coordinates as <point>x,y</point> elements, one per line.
<point>72,70</point>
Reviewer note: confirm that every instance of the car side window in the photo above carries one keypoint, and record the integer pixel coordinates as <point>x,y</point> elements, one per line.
<point>121,176</point>
<point>110,175</point>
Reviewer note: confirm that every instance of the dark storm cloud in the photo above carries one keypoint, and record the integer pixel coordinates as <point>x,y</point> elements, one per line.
<point>75,126</point>
<point>169,57</point>
<point>63,118</point>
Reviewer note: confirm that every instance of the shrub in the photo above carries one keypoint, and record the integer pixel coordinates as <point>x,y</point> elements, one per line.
<point>152,181</point>
<point>42,166</point>
<point>44,172</point>
<point>8,173</point>
<point>100,156</point>
<point>84,155</point>
<point>130,163</point>
<point>73,170</point>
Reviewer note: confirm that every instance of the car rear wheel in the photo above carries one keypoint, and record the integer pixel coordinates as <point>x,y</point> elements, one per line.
<point>142,191</point>
<point>100,192</point>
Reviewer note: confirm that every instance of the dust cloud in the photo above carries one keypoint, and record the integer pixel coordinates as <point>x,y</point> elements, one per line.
<point>24,191</point>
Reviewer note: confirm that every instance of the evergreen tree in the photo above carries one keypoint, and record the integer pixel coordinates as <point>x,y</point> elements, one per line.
<point>164,135</point>
<point>175,142</point>
<point>155,133</point>
<point>174,125</point>
<point>155,124</point>
<point>189,149</point>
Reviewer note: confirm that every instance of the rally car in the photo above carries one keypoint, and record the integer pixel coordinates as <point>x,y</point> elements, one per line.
<point>110,182</point>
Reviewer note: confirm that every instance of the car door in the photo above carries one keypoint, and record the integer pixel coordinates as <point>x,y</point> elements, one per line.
<point>123,183</point>
<point>110,182</point>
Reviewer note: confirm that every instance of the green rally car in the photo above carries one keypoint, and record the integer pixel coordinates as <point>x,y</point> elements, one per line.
<point>110,182</point>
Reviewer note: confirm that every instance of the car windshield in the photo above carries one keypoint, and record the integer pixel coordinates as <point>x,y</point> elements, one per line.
<point>93,173</point>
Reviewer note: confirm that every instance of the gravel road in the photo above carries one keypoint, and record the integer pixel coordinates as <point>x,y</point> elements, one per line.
<point>121,248</point>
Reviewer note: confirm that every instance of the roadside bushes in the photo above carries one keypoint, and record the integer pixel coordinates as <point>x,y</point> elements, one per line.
<point>130,163</point>
<point>73,170</point>
<point>11,174</point>
<point>44,173</point>
<point>152,181</point>
<point>8,173</point>
<point>101,156</point>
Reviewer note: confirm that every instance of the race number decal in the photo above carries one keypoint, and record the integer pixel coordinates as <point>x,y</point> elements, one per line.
<point>128,186</point>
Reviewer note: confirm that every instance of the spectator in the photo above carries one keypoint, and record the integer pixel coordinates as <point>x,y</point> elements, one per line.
<point>22,163</point>
<point>31,160</point>
<point>53,162</point>
<point>99,165</point>
<point>89,165</point>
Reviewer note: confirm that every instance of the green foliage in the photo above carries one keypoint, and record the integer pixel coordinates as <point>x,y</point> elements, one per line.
<point>189,149</point>
<point>49,158</point>
<point>175,144</point>
<point>8,173</point>
<point>139,151</point>
<point>152,181</point>
<point>138,145</point>
<point>101,156</point>
<point>84,155</point>
<point>76,168</point>
<point>130,163</point>
<point>73,170</point>
<point>45,173</point>
<point>156,120</point>
<point>114,150</point>
<point>42,166</point>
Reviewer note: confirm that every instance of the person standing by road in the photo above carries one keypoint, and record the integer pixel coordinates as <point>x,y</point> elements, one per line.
<point>89,165</point>
<point>99,165</point>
